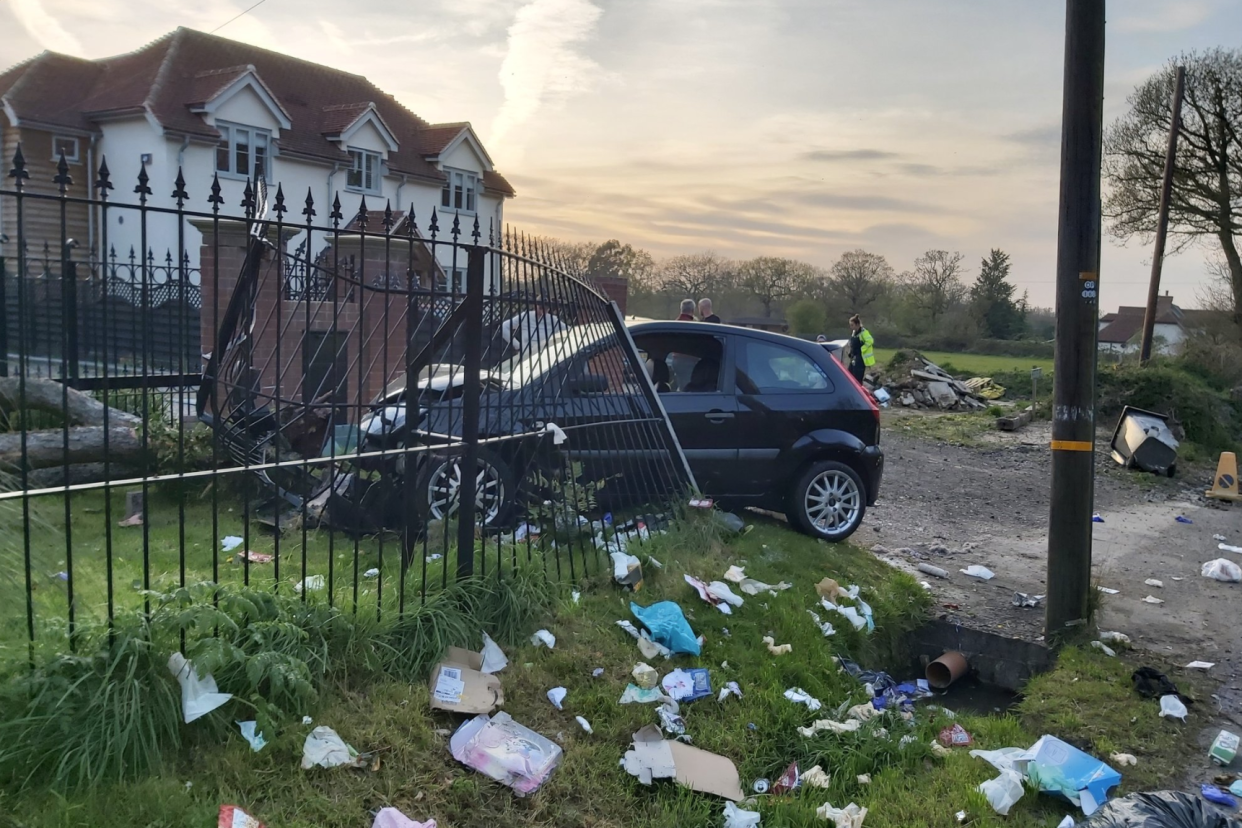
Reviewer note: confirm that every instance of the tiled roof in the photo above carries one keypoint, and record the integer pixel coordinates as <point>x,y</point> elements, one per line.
<point>186,68</point>
<point>1122,329</point>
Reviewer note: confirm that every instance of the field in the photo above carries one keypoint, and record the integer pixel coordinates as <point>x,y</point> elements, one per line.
<point>981,365</point>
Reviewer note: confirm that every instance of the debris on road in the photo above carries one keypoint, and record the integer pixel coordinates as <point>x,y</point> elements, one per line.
<point>1224,547</point>
<point>977,571</point>
<point>1096,518</point>
<point>1115,638</point>
<point>934,571</point>
<point>652,757</point>
<point>1151,599</point>
<point>1183,519</point>
<point>777,649</point>
<point>323,748</point>
<point>1154,582</point>
<point>1108,591</point>
<point>501,749</point>
<point>1024,599</point>
<point>926,385</point>
<point>1201,665</point>
<point>1224,748</point>
<point>1222,569</point>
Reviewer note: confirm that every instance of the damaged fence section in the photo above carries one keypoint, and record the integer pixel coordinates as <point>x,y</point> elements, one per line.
<point>355,403</point>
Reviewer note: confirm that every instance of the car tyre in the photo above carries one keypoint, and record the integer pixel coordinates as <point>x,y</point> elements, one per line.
<point>438,482</point>
<point>828,501</point>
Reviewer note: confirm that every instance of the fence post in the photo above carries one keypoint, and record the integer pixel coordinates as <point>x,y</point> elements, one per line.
<point>471,386</point>
<point>4,320</point>
<point>69,296</point>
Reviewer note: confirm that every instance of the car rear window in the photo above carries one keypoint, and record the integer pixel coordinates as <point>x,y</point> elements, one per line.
<point>767,368</point>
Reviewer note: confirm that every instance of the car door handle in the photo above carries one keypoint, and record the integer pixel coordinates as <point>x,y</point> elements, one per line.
<point>718,416</point>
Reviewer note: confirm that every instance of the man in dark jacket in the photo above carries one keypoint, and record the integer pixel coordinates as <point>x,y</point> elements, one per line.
<point>705,311</point>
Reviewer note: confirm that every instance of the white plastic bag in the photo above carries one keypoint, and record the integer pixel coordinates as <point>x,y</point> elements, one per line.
<point>494,659</point>
<point>1222,569</point>
<point>324,748</point>
<point>851,816</point>
<point>543,638</point>
<point>1172,707</point>
<point>976,571</point>
<point>735,817</point>
<point>199,695</point>
<point>799,696</point>
<point>1003,791</point>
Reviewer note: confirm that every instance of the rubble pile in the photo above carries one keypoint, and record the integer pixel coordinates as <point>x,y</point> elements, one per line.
<point>927,386</point>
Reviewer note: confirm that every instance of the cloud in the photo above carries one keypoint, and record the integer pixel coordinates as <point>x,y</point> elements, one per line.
<point>542,64</point>
<point>1042,136</point>
<point>44,28</point>
<point>847,155</point>
<point>1163,15</point>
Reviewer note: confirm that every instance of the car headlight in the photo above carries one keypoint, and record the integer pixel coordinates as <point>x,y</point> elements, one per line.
<point>386,420</point>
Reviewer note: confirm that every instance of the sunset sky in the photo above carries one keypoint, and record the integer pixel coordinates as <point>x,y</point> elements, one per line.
<point>798,128</point>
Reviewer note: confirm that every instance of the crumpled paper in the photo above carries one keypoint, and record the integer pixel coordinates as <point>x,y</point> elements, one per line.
<point>392,818</point>
<point>199,695</point>
<point>828,724</point>
<point>799,696</point>
<point>851,816</point>
<point>325,749</point>
<point>735,817</point>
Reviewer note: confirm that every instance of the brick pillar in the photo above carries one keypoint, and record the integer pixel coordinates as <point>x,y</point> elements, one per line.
<point>615,288</point>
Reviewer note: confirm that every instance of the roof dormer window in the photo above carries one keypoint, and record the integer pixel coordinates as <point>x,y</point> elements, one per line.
<point>243,151</point>
<point>460,191</point>
<point>365,172</point>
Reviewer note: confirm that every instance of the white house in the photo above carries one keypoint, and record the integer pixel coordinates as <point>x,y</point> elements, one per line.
<point>207,105</point>
<point>1121,332</point>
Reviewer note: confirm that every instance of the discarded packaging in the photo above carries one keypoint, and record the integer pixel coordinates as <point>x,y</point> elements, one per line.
<point>752,587</point>
<point>392,818</point>
<point>816,778</point>
<point>788,781</point>
<point>1125,760</point>
<point>627,570</point>
<point>1158,809</point>
<point>1151,599</point>
<point>731,521</point>
<point>955,736</point>
<point>687,684</point>
<point>230,542</point>
<point>1201,665</point>
<point>323,748</point>
<point>1096,518</point>
<point>824,627</point>
<point>864,779</point>
<point>254,557</point>
<point>706,594</point>
<point>851,816</point>
<point>721,592</point>
<point>934,571</point>
<point>1236,787</point>
<point>1222,569</point>
<point>1154,582</point>
<point>1150,683</point>
<point>1104,648</point>
<point>1025,599</point>
<point>371,573</point>
<point>646,646</point>
<point>543,638</point>
<point>862,712</point>
<point>653,757</point>
<point>701,503</point>
<point>1060,768</point>
<point>557,696</point>
<point>938,750</point>
<point>641,695</point>
<point>668,626</point>
<point>311,583</point>
<point>1172,707</point>
<point>818,725</point>
<point>736,574</point>
<point>233,817</point>
<point>1214,794</point>
<point>199,695</point>
<point>799,696</point>
<point>460,685</point>
<point>977,571</point>
<point>503,750</point>
<point>670,719</point>
<point>1224,547</point>
<point>777,649</point>
<point>494,659</point>
<point>828,588</point>
<point>1108,590</point>
<point>1183,519</point>
<point>645,676</point>
<point>584,724</point>
<point>730,689</point>
<point>256,740</point>
<point>735,817</point>
<point>1115,638</point>
<point>1003,792</point>
<point>1224,748</point>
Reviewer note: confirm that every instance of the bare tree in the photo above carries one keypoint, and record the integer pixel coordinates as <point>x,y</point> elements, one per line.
<point>860,278</point>
<point>612,259</point>
<point>771,279</point>
<point>1206,201</point>
<point>696,275</point>
<point>572,256</point>
<point>935,286</point>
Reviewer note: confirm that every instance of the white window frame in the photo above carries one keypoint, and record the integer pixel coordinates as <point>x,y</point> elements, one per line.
<point>461,191</point>
<point>74,157</point>
<point>358,164</point>
<point>229,134</point>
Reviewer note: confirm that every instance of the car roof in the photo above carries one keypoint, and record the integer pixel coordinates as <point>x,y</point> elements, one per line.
<point>673,326</point>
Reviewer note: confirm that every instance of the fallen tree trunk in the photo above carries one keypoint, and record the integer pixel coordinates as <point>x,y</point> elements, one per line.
<point>49,396</point>
<point>45,449</point>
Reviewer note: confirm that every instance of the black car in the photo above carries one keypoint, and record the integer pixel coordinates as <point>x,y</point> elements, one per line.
<point>768,420</point>
<point>764,420</point>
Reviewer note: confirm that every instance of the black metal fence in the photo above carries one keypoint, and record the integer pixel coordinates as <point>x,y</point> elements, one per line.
<point>333,417</point>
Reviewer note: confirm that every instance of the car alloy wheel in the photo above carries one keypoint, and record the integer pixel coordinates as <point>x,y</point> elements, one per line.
<point>444,491</point>
<point>832,502</point>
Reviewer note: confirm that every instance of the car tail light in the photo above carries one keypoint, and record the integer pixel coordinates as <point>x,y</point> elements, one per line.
<point>866,395</point>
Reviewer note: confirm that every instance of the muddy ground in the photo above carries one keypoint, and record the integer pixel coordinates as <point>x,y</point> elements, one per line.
<point>954,506</point>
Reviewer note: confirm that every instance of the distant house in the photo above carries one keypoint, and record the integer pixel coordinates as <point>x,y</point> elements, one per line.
<point>763,323</point>
<point>1121,332</point>
<point>215,107</point>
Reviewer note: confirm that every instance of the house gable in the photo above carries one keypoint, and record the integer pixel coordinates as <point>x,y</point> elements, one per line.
<point>245,100</point>
<point>368,131</point>
<point>464,152</point>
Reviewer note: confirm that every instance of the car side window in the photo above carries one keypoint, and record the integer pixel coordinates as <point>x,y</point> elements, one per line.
<point>766,368</point>
<point>683,364</point>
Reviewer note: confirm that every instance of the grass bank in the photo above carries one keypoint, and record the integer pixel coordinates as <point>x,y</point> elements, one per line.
<point>981,365</point>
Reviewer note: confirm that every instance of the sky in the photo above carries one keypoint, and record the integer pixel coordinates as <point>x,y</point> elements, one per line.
<point>800,128</point>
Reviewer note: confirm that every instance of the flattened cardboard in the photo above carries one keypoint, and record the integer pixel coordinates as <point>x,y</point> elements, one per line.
<point>653,757</point>
<point>458,684</point>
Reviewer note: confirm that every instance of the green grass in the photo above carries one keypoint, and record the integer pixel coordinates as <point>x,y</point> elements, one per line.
<point>982,365</point>
<point>955,429</point>
<point>1087,700</point>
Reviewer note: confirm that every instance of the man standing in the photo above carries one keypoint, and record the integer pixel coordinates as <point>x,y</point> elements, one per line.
<point>862,348</point>
<point>705,311</point>
<point>687,311</point>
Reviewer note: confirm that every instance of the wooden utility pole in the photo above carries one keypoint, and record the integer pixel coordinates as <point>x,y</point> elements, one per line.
<point>1162,220</point>
<point>1078,265</point>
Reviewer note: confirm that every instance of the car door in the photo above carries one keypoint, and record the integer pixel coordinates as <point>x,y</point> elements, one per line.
<point>781,395</point>
<point>698,396</point>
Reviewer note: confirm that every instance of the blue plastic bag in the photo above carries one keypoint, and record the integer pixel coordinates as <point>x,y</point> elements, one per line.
<point>1059,768</point>
<point>668,626</point>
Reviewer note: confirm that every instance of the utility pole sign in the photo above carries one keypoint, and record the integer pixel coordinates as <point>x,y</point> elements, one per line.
<point>1078,278</point>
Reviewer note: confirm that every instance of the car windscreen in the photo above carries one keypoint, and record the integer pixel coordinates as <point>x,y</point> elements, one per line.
<point>555,354</point>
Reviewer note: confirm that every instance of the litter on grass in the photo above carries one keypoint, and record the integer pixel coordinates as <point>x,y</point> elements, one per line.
<point>1222,569</point>
<point>494,659</point>
<point>233,817</point>
<point>323,748</point>
<point>851,816</point>
<point>584,724</point>
<point>1115,638</point>
<point>816,778</point>
<point>645,676</point>
<point>708,596</point>
<point>828,588</point>
<point>670,719</point>
<point>687,685</point>
<point>1150,683</point>
<point>735,817</point>
<point>256,740</point>
<point>977,571</point>
<point>254,557</point>
<point>1224,748</point>
<point>788,781</point>
<point>864,779</point>
<point>1125,760</point>
<point>956,736</point>
<point>392,818</point>
<point>819,725</point>
<point>501,749</point>
<point>653,757</point>
<point>230,542</point>
<point>824,627</point>
<point>459,684</point>
<point>634,694</point>
<point>543,638</point>
<point>1104,648</point>
<point>1003,791</point>
<point>730,689</point>
<point>199,695</point>
<point>1171,707</point>
<point>668,627</point>
<point>627,570</point>
<point>799,696</point>
<point>776,649</point>
<point>557,696</point>
<point>1214,794</point>
<point>1051,766</point>
<point>646,646</point>
<point>311,583</point>
<point>597,672</point>
<point>371,573</point>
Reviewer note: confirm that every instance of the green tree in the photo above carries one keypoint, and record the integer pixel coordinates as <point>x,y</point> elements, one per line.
<point>615,260</point>
<point>992,302</point>
<point>806,317</point>
<point>935,286</point>
<point>860,278</point>
<point>1206,201</point>
<point>770,279</point>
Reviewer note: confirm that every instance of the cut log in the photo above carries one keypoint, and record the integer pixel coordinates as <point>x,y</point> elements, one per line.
<point>1016,421</point>
<point>49,396</point>
<point>45,449</point>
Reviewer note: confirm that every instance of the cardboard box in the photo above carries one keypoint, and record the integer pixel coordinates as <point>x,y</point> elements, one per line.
<point>654,757</point>
<point>458,684</point>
